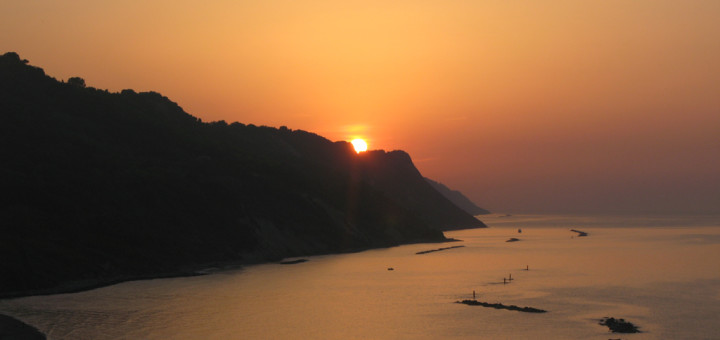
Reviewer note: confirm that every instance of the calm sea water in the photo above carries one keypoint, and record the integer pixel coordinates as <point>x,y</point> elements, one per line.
<point>660,273</point>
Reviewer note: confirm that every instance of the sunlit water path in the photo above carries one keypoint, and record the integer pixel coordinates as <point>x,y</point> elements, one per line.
<point>660,273</point>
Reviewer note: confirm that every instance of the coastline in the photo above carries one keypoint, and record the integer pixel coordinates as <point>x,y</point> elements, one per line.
<point>85,285</point>
<point>552,284</point>
<point>189,271</point>
<point>12,328</point>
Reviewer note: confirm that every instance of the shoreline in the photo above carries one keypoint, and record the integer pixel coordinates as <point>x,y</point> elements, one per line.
<point>70,287</point>
<point>86,285</point>
<point>387,291</point>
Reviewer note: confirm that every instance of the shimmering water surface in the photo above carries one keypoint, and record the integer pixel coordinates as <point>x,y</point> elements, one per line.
<point>661,273</point>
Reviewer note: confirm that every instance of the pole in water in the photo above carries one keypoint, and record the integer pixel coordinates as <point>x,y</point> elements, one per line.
<point>504,280</point>
<point>527,267</point>
<point>473,295</point>
<point>510,277</point>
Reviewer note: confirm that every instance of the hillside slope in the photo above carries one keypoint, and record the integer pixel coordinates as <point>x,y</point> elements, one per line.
<point>99,186</point>
<point>457,198</point>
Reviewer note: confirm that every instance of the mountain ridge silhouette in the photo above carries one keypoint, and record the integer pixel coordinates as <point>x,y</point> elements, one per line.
<point>100,187</point>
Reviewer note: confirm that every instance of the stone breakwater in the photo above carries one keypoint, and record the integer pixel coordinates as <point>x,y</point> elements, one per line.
<point>501,306</point>
<point>580,233</point>
<point>439,249</point>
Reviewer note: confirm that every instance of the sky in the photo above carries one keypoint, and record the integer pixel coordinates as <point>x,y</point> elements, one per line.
<point>550,106</point>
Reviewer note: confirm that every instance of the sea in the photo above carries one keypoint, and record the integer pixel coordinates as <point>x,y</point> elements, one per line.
<point>661,273</point>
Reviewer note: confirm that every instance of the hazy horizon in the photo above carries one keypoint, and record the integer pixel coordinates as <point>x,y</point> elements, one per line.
<point>555,106</point>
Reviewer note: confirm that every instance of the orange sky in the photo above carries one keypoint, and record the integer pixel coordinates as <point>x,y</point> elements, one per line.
<point>526,106</point>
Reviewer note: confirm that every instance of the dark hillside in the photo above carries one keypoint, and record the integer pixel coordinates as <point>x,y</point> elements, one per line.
<point>458,198</point>
<point>98,186</point>
<point>395,172</point>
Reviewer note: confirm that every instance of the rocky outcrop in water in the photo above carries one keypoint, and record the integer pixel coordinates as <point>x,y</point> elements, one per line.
<point>619,325</point>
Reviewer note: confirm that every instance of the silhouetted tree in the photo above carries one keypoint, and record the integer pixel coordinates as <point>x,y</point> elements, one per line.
<point>76,81</point>
<point>13,57</point>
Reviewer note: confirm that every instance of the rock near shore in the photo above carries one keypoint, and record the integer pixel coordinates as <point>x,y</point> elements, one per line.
<point>13,329</point>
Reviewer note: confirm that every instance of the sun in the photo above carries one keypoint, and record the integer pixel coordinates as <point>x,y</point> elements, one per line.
<point>359,144</point>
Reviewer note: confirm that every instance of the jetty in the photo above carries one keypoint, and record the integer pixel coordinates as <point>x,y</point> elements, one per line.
<point>501,306</point>
<point>580,233</point>
<point>438,249</point>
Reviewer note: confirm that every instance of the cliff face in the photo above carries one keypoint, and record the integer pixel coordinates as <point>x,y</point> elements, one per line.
<point>457,198</point>
<point>396,174</point>
<point>99,186</point>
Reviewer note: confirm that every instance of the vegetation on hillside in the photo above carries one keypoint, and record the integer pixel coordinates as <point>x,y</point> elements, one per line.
<point>98,186</point>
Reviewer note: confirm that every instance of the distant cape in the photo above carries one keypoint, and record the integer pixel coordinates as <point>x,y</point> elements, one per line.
<point>457,198</point>
<point>100,187</point>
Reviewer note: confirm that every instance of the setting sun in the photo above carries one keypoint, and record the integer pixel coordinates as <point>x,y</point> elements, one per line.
<point>359,144</point>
